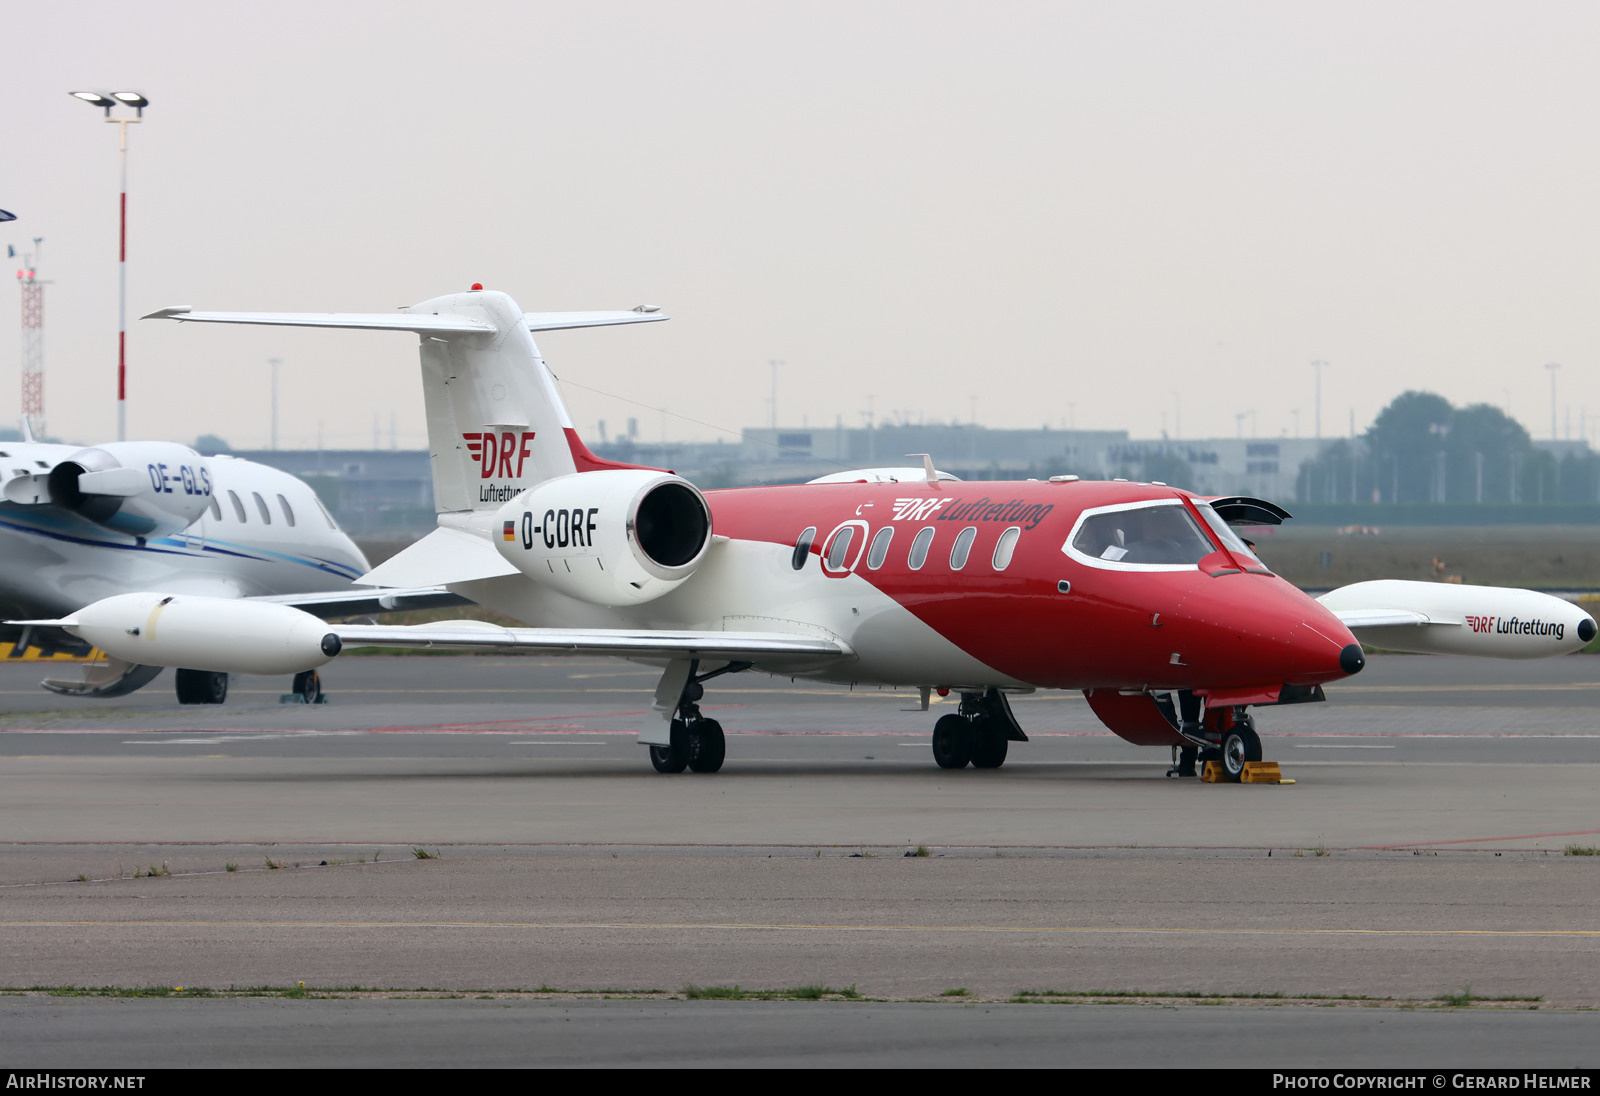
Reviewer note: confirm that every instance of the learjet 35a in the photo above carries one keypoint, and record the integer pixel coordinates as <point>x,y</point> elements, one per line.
<point>1139,594</point>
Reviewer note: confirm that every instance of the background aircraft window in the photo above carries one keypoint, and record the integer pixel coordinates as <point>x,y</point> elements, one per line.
<point>919,548</point>
<point>1007,545</point>
<point>238,507</point>
<point>288,514</point>
<point>325,515</point>
<point>880,547</point>
<point>261,504</point>
<point>216,509</point>
<point>802,547</point>
<point>963,545</point>
<point>841,547</point>
<point>1164,534</point>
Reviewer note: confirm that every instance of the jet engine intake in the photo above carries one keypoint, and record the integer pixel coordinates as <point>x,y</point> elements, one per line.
<point>613,537</point>
<point>143,489</point>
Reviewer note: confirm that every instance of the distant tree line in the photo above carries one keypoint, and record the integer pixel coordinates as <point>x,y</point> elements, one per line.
<point>1422,449</point>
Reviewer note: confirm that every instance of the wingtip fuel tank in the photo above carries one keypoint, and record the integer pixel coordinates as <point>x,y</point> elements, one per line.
<point>1450,619</point>
<point>205,633</point>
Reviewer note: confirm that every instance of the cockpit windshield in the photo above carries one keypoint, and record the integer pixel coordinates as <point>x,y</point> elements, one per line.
<point>1160,534</point>
<point>1231,540</point>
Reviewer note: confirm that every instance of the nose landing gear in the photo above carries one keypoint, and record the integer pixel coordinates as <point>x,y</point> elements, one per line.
<point>1227,736</point>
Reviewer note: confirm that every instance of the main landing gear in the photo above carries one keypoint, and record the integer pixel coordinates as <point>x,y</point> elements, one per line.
<point>1227,736</point>
<point>697,743</point>
<point>201,687</point>
<point>979,733</point>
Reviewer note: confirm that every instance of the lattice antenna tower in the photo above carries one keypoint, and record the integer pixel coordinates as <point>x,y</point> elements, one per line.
<point>32,338</point>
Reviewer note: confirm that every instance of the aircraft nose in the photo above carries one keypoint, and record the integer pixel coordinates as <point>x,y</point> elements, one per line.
<point>1352,659</point>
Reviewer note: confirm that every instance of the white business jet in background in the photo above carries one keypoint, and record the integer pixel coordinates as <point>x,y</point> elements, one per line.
<point>80,524</point>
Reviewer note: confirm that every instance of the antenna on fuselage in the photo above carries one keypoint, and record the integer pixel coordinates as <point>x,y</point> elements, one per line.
<point>927,466</point>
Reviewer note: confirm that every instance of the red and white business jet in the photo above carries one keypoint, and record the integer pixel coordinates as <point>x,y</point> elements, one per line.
<point>1139,594</point>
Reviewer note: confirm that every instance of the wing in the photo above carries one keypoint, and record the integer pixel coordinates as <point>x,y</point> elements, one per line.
<point>1385,618</point>
<point>329,604</point>
<point>767,648</point>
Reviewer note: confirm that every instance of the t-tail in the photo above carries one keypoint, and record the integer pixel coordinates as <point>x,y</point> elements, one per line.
<point>496,422</point>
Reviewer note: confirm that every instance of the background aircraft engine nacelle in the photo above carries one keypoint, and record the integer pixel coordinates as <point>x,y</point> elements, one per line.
<point>206,633</point>
<point>617,537</point>
<point>144,489</point>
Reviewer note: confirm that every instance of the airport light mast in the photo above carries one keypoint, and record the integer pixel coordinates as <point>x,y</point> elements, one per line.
<point>138,102</point>
<point>1552,367</point>
<point>1319,365</point>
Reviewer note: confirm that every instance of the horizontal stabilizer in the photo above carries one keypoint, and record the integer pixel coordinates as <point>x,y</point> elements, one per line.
<point>422,324</point>
<point>443,556</point>
<point>360,321</point>
<point>561,321</point>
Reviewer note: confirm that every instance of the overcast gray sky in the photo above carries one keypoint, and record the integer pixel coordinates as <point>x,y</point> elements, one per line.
<point>1094,210</point>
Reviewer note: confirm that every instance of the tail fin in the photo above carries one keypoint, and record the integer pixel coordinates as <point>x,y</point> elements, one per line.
<point>496,421</point>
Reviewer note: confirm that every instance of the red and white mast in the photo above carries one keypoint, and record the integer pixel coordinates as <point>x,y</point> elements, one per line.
<point>138,102</point>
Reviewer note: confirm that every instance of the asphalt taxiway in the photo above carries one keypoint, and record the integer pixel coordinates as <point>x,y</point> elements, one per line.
<point>1419,855</point>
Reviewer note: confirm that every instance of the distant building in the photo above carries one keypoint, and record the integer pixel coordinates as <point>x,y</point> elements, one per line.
<point>388,493</point>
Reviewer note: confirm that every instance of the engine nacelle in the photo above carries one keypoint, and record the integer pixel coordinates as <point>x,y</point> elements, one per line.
<point>206,633</point>
<point>1493,621</point>
<point>144,489</point>
<point>615,537</point>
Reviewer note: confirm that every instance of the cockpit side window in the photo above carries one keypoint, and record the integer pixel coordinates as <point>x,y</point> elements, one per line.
<point>1163,535</point>
<point>1230,540</point>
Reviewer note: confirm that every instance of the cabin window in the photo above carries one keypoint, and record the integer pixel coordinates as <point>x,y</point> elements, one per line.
<point>1007,545</point>
<point>216,509</point>
<point>288,514</point>
<point>802,548</point>
<point>1160,535</point>
<point>840,550</point>
<point>919,548</point>
<point>238,507</point>
<point>880,548</point>
<point>261,505</point>
<point>962,547</point>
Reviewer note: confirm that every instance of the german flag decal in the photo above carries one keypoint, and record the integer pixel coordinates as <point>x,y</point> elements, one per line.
<point>510,532</point>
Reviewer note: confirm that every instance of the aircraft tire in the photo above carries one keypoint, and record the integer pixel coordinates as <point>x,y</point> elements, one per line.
<point>953,741</point>
<point>309,685</point>
<point>991,745</point>
<point>201,687</point>
<point>673,758</point>
<point>707,746</point>
<point>1240,744</point>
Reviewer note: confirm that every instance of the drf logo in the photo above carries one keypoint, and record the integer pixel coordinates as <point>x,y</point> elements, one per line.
<point>1480,623</point>
<point>918,509</point>
<point>495,451</point>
